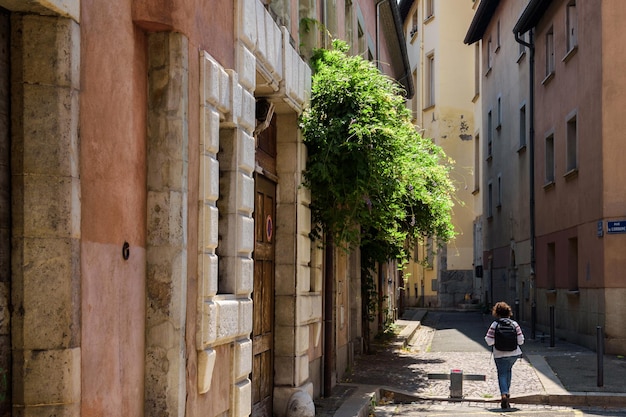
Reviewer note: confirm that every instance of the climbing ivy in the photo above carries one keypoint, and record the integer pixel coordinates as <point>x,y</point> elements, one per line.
<point>375,182</point>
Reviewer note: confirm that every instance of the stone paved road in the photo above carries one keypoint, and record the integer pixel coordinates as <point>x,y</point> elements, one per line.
<point>455,345</point>
<point>448,340</point>
<point>473,409</point>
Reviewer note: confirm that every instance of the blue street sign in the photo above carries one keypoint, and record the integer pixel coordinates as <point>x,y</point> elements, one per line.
<point>616,226</point>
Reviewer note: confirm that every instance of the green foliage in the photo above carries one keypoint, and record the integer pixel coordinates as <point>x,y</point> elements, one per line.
<point>375,182</point>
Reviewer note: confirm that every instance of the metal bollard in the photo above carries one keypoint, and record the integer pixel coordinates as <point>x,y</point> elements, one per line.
<point>600,355</point>
<point>552,327</point>
<point>456,383</point>
<point>456,377</point>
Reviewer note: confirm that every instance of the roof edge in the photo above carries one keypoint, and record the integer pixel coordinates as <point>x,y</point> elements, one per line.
<point>531,15</point>
<point>482,17</point>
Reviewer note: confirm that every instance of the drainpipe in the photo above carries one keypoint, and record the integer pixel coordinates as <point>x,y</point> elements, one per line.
<point>329,325</point>
<point>531,149</point>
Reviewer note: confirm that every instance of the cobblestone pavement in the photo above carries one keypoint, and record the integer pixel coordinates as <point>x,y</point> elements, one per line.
<point>479,409</point>
<point>408,368</point>
<point>398,371</point>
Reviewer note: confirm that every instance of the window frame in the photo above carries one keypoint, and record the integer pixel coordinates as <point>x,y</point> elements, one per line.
<point>489,134</point>
<point>523,136</point>
<point>429,9</point>
<point>550,58</point>
<point>549,159</point>
<point>571,144</point>
<point>571,26</point>
<point>430,80</point>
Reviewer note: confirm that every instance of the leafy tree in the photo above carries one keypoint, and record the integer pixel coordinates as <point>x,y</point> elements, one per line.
<point>375,182</point>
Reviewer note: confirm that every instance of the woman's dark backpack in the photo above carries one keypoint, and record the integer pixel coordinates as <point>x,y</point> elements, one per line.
<point>505,335</point>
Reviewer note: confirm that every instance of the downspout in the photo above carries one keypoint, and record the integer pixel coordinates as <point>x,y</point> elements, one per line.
<point>531,149</point>
<point>329,305</point>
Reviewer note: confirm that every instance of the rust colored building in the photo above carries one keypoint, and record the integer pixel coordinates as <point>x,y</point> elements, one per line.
<point>580,202</point>
<point>566,153</point>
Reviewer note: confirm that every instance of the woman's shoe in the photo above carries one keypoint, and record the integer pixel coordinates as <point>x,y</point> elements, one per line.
<point>504,404</point>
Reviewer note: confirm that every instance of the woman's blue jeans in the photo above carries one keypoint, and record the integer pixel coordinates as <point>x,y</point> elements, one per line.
<point>504,366</point>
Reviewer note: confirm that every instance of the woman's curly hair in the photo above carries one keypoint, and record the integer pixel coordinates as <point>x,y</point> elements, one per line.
<point>501,310</point>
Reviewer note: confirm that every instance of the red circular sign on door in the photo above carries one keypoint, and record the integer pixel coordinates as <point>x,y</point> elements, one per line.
<point>269,227</point>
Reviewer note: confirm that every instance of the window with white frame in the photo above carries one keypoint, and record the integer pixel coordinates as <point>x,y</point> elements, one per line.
<point>572,144</point>
<point>489,133</point>
<point>430,79</point>
<point>550,52</point>
<point>549,163</point>
<point>490,199</point>
<point>414,25</point>
<point>477,162</point>
<point>430,8</point>
<point>572,25</point>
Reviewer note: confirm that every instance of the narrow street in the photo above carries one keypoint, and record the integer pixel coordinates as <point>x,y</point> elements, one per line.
<point>485,410</point>
<point>449,340</point>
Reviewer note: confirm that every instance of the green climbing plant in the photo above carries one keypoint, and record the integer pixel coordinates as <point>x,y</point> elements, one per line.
<point>375,182</point>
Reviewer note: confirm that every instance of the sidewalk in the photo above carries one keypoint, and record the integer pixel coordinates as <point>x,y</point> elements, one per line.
<point>437,342</point>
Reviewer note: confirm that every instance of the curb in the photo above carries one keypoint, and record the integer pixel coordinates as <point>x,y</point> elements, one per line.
<point>358,404</point>
<point>585,399</point>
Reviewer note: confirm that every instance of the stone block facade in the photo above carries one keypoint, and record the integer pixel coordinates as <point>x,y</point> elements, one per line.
<point>46,209</point>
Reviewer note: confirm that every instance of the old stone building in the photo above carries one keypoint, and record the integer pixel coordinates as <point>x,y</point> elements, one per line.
<point>155,251</point>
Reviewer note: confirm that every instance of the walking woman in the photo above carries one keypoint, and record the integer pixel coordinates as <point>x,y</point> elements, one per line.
<point>505,335</point>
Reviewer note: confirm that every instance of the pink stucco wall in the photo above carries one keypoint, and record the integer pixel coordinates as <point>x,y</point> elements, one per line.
<point>113,153</point>
<point>113,174</point>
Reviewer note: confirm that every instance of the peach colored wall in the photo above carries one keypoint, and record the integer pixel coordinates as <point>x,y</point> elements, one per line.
<point>614,125</point>
<point>112,125</point>
<point>578,83</point>
<point>207,24</point>
<point>575,87</point>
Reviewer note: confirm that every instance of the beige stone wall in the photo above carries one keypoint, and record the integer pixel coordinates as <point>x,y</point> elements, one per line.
<point>46,216</point>
<point>166,246</point>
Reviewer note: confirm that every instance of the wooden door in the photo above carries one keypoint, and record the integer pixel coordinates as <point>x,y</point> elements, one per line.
<point>263,298</point>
